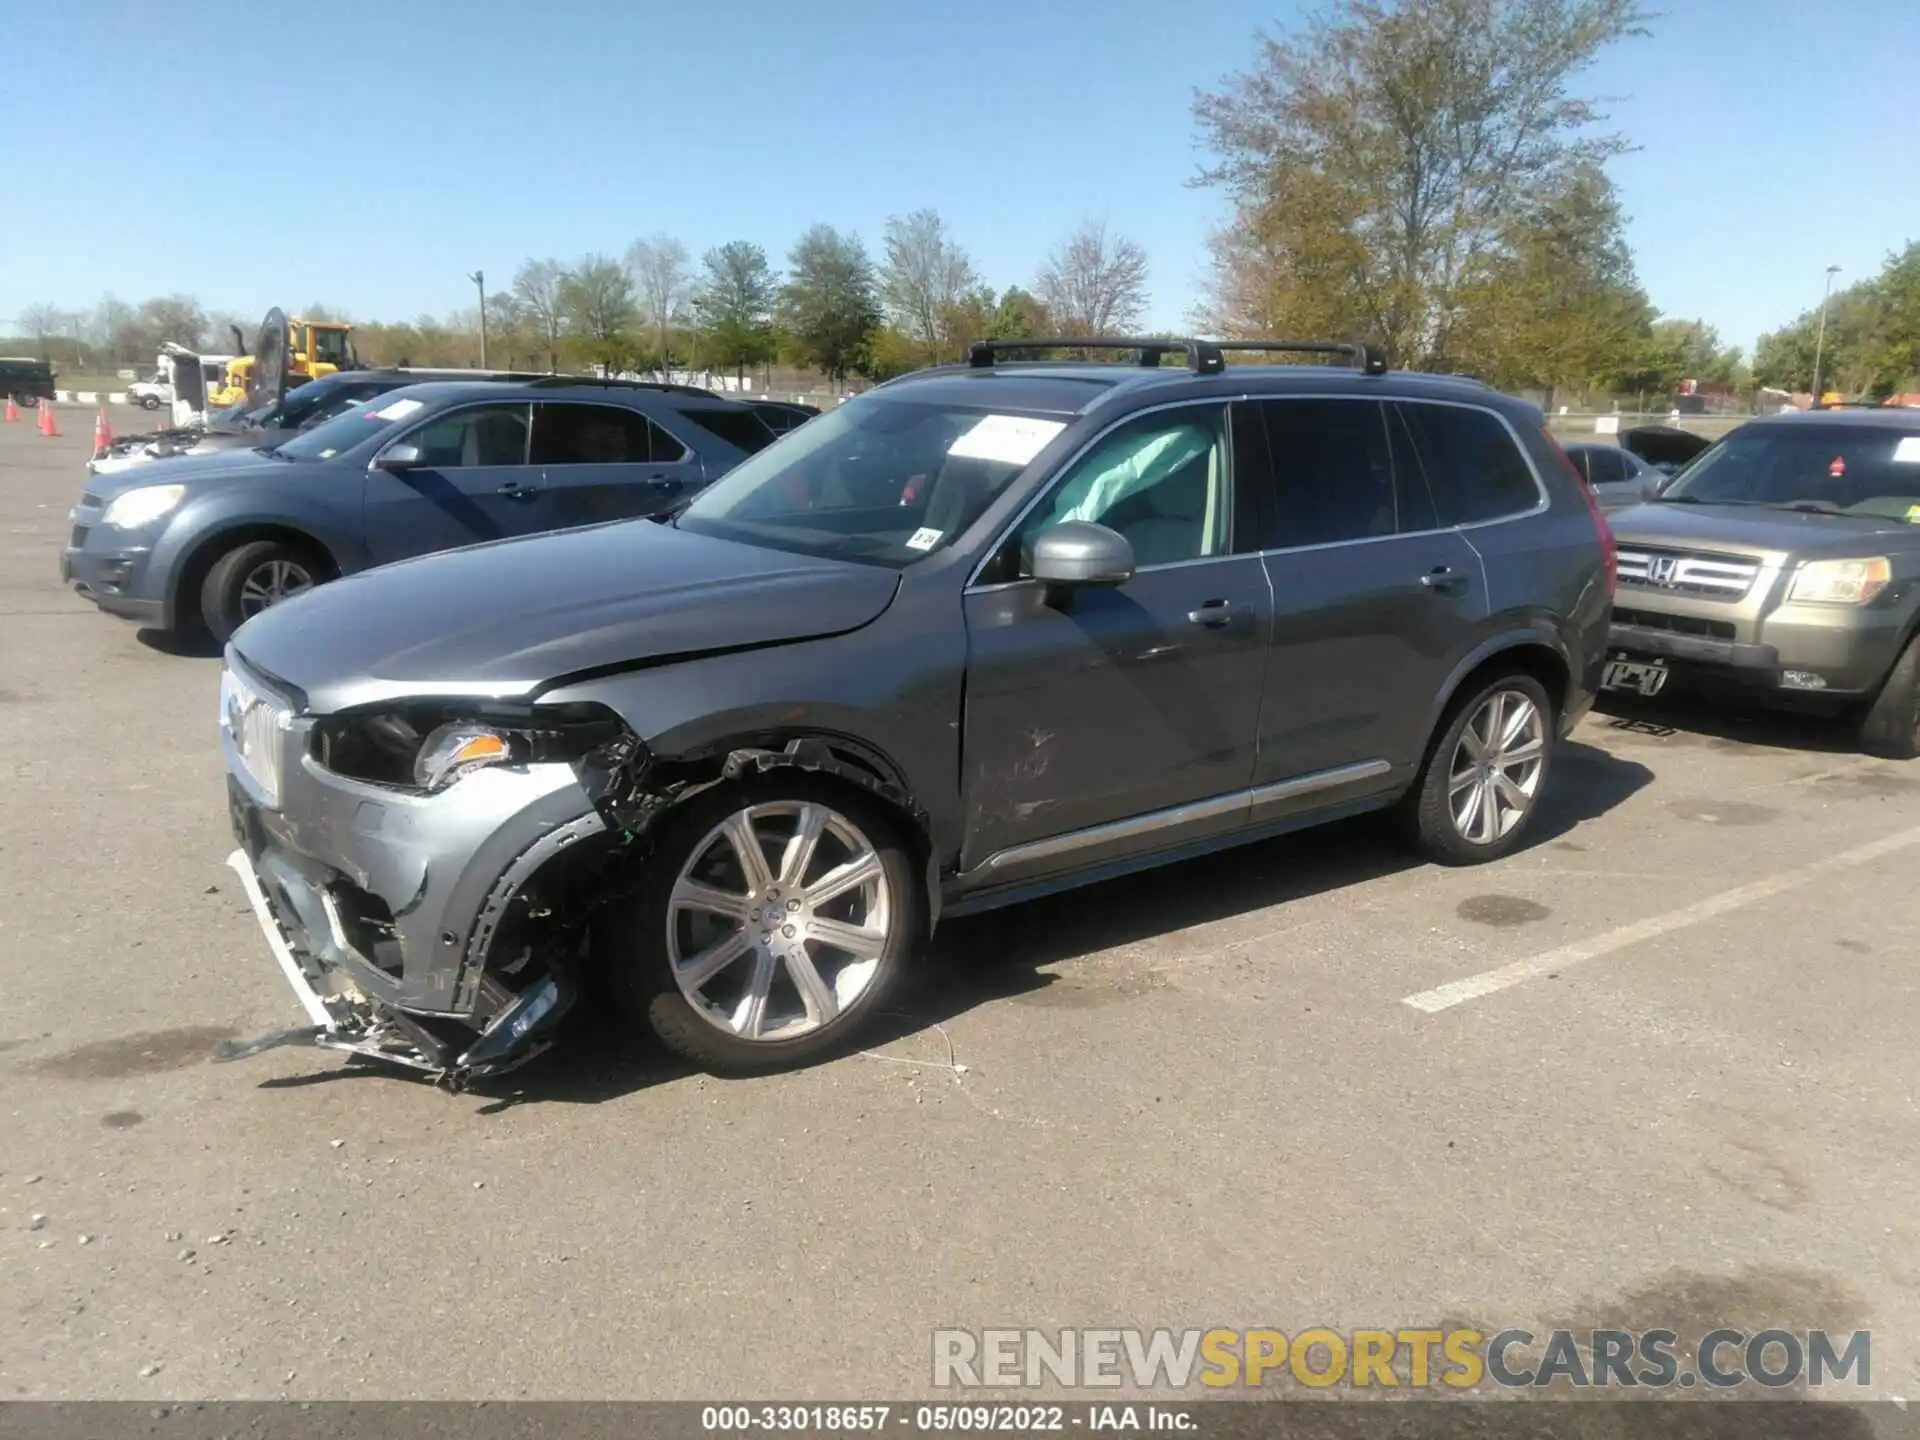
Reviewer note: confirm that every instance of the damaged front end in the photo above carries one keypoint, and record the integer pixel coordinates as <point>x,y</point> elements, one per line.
<point>424,873</point>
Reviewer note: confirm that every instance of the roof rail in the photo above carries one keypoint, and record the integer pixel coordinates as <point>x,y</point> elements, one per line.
<point>1367,358</point>
<point>549,382</point>
<point>1204,357</point>
<point>1859,405</point>
<point>1201,357</point>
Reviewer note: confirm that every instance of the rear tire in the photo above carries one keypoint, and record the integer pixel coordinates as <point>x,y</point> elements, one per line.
<point>1891,727</point>
<point>252,577</point>
<point>149,402</point>
<point>652,945</point>
<point>1484,774</point>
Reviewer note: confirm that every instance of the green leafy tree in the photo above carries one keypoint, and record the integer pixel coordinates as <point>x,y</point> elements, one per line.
<point>1019,316</point>
<point>1872,344</point>
<point>737,297</point>
<point>828,305</point>
<point>1380,159</point>
<point>601,311</point>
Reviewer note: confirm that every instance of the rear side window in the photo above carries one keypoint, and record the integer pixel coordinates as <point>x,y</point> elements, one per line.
<point>742,429</point>
<point>1473,467</point>
<point>1332,471</point>
<point>1604,467</point>
<point>565,434</point>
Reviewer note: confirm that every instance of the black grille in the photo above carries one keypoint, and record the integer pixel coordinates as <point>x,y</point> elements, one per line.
<point>1679,624</point>
<point>79,537</point>
<point>91,499</point>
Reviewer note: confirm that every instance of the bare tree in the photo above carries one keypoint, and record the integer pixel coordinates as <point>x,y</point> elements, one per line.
<point>924,277</point>
<point>1094,283</point>
<point>40,321</point>
<point>540,287</point>
<point>598,300</point>
<point>663,275</point>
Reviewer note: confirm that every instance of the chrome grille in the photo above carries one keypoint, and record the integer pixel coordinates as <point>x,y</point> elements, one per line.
<point>1718,577</point>
<point>255,724</point>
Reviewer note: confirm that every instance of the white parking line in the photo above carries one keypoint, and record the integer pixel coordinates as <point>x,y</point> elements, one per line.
<point>1488,982</point>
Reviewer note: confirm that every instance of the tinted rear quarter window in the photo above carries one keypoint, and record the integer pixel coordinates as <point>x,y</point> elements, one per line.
<point>1472,464</point>
<point>742,429</point>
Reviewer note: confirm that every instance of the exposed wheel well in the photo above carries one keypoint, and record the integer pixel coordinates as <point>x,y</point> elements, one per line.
<point>192,573</point>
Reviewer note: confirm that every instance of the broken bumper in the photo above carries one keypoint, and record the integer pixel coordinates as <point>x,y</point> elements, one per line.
<point>412,927</point>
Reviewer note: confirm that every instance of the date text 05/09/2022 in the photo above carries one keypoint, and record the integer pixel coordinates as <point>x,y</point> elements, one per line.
<point>1096,1419</point>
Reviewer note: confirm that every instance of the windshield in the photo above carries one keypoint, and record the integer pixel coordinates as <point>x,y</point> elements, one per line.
<point>1840,469</point>
<point>329,346</point>
<point>356,427</point>
<point>879,480</point>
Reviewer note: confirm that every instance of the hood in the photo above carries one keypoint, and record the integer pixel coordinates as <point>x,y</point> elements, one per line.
<point>107,478</point>
<point>1749,528</point>
<point>508,618</point>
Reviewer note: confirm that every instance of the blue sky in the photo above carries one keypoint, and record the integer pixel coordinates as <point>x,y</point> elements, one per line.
<point>368,155</point>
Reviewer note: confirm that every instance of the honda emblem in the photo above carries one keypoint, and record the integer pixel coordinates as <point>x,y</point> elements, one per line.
<point>1662,569</point>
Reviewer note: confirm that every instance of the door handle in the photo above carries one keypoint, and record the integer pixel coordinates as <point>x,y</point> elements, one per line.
<point>667,484</point>
<point>514,490</point>
<point>1445,579</point>
<point>1215,614</point>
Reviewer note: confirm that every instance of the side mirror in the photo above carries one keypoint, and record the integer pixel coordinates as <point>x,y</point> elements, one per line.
<point>398,458</point>
<point>1079,552</point>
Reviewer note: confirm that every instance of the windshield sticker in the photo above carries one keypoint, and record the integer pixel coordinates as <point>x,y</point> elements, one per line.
<point>1913,515</point>
<point>1838,467</point>
<point>1009,439</point>
<point>1907,452</point>
<point>925,538</point>
<point>398,410</point>
<point>328,453</point>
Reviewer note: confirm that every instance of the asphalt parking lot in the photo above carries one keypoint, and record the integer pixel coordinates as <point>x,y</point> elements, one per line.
<point>1658,1069</point>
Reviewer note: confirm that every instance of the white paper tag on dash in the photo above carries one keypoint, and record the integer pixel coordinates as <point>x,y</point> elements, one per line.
<point>1010,439</point>
<point>399,410</point>
<point>1907,452</point>
<point>925,538</point>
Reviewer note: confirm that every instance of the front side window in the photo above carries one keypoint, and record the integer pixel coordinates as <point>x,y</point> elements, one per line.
<point>1606,467</point>
<point>1843,469</point>
<point>567,434</point>
<point>1472,463</point>
<point>1332,470</point>
<point>880,479</point>
<point>1159,479</point>
<point>470,439</point>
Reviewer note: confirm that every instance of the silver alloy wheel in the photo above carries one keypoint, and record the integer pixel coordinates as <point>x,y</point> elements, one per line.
<point>269,583</point>
<point>1495,775</point>
<point>768,950</point>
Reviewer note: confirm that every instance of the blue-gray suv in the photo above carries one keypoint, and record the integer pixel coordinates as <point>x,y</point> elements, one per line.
<point>214,541</point>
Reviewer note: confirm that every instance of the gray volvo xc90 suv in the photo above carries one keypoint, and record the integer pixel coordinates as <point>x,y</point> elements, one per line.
<point>988,631</point>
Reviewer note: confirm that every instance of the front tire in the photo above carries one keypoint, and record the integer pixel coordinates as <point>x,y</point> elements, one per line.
<point>149,402</point>
<point>252,577</point>
<point>776,915</point>
<point>1891,727</point>
<point>1484,775</point>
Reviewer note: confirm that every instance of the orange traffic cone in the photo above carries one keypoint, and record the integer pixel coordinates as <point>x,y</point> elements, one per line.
<point>13,412</point>
<point>48,425</point>
<point>102,432</point>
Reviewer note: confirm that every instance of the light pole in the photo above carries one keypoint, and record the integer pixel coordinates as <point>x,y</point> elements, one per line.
<point>1820,335</point>
<point>479,277</point>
